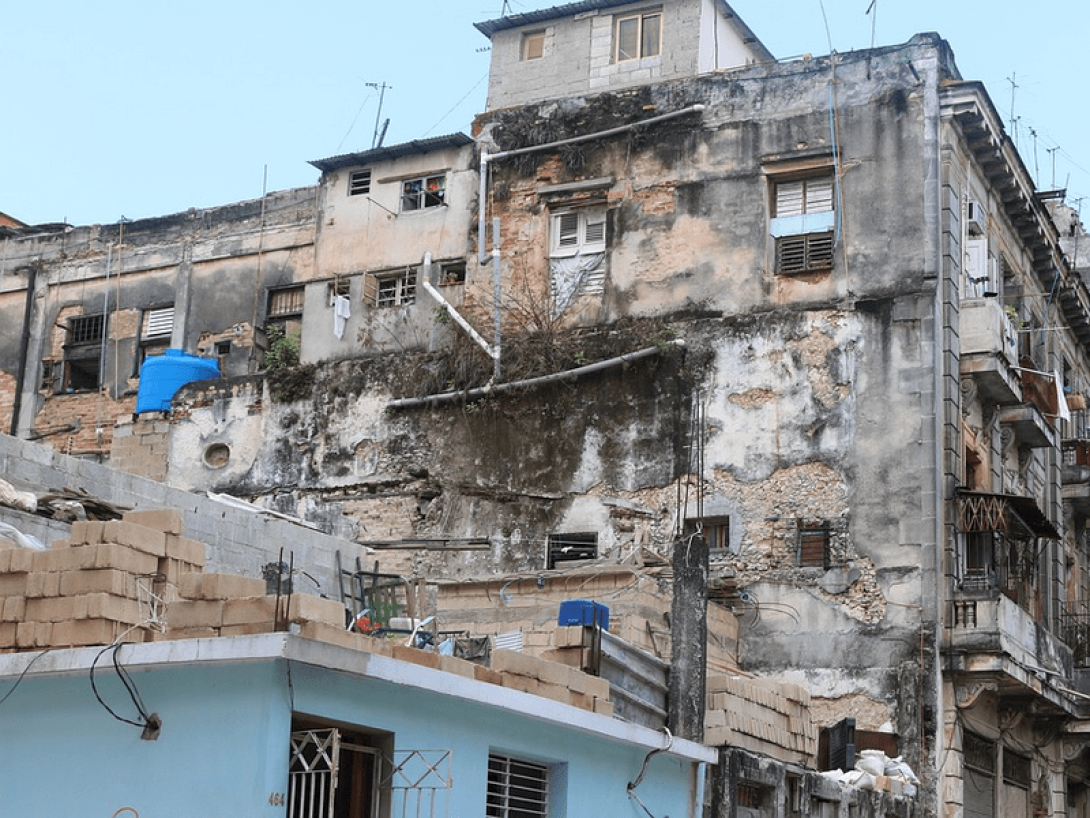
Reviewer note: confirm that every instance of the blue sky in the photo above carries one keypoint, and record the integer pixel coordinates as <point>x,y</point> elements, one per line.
<point>120,108</point>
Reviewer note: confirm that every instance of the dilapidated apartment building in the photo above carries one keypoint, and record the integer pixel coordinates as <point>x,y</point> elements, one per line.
<point>814,311</point>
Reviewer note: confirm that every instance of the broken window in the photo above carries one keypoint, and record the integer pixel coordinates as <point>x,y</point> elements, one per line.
<point>638,35</point>
<point>715,531</point>
<point>83,351</point>
<point>571,547</point>
<point>359,182</point>
<point>422,193</point>
<point>390,289</point>
<point>452,272</point>
<point>516,788</point>
<point>533,45</point>
<point>577,253</point>
<point>803,219</point>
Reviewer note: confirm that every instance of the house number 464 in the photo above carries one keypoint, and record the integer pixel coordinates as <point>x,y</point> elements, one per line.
<point>277,799</point>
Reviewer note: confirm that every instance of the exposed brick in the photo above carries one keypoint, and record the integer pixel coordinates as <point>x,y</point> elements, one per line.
<point>7,635</point>
<point>5,557</point>
<point>197,613</point>
<point>86,532</point>
<point>88,632</point>
<point>460,667</point>
<point>13,609</point>
<point>195,585</point>
<point>138,536</point>
<point>249,610</point>
<point>166,520</point>
<point>173,570</point>
<point>33,635</point>
<point>416,656</point>
<point>124,558</point>
<point>310,608</point>
<point>603,707</point>
<point>186,550</point>
<point>95,580</point>
<point>66,558</point>
<point>568,637</point>
<point>42,584</point>
<point>12,585</point>
<point>21,560</point>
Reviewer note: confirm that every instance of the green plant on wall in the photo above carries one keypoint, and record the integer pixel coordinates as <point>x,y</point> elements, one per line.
<point>283,351</point>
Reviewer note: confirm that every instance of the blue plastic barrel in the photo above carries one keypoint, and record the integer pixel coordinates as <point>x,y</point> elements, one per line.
<point>162,376</point>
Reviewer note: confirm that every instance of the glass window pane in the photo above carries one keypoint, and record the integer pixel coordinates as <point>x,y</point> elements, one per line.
<point>652,25</point>
<point>628,38</point>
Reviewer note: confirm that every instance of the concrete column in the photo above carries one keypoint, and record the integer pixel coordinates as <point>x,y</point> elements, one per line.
<point>689,637</point>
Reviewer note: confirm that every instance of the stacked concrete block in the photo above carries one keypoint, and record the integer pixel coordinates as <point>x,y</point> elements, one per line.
<point>141,447</point>
<point>532,674</point>
<point>764,716</point>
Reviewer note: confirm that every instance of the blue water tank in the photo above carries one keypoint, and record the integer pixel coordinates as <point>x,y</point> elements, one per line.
<point>583,612</point>
<point>162,376</point>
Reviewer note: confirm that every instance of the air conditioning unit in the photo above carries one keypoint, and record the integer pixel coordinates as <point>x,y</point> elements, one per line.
<point>974,217</point>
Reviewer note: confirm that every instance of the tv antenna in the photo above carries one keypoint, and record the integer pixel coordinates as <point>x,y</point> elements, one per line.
<point>378,116</point>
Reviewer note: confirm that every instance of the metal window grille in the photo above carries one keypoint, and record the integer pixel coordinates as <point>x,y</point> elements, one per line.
<point>359,182</point>
<point>286,302</point>
<point>516,788</point>
<point>419,783</point>
<point>568,547</point>
<point>312,773</point>
<point>86,329</point>
<point>1016,769</point>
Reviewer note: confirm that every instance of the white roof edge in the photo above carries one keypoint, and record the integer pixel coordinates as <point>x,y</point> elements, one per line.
<point>292,647</point>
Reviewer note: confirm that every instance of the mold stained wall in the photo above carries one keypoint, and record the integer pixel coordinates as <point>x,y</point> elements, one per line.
<point>213,266</point>
<point>370,233</point>
<point>819,388</point>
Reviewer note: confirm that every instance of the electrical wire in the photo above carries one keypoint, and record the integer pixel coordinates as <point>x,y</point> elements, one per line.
<point>26,670</point>
<point>129,686</point>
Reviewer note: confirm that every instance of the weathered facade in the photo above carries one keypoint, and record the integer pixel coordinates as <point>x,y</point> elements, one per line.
<point>814,310</point>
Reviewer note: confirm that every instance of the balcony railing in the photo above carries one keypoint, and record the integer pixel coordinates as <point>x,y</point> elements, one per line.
<point>1075,632</point>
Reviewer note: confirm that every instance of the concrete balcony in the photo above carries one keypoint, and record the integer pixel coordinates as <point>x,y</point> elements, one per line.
<point>989,350</point>
<point>1030,425</point>
<point>991,641</point>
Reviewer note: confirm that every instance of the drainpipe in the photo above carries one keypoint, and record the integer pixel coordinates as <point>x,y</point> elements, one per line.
<point>566,375</point>
<point>24,346</point>
<point>493,352</point>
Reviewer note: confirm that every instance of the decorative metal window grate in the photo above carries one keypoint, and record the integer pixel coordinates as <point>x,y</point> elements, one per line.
<point>979,752</point>
<point>1016,769</point>
<point>419,783</point>
<point>312,773</point>
<point>516,788</point>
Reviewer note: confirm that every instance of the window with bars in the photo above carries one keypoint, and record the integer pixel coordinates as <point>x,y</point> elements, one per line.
<point>423,192</point>
<point>83,353</point>
<point>803,218</point>
<point>638,35</point>
<point>978,776</point>
<point>86,329</point>
<point>359,182</point>
<point>516,788</point>
<point>571,547</point>
<point>390,289</point>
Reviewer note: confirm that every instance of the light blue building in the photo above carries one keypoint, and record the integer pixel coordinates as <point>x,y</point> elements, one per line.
<point>401,740</point>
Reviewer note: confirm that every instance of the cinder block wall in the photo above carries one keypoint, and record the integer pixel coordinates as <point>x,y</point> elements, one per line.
<point>237,541</point>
